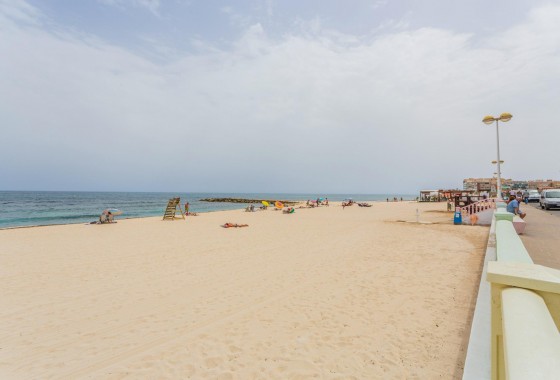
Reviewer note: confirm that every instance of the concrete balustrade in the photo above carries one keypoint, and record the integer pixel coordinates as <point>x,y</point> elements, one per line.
<point>531,340</point>
<point>501,205</point>
<point>508,244</point>
<point>525,310</point>
<point>519,224</point>
<point>502,214</point>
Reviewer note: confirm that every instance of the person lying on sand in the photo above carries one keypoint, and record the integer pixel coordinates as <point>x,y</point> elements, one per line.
<point>229,225</point>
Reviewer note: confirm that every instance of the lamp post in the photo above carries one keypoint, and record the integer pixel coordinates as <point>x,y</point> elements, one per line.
<point>496,176</point>
<point>505,117</point>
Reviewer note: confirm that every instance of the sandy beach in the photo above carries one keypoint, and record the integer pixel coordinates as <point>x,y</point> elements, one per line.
<point>323,293</point>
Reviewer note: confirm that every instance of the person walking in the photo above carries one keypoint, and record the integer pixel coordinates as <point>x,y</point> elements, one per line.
<point>526,196</point>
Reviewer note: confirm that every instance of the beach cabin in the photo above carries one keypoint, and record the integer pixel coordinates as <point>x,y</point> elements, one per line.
<point>430,196</point>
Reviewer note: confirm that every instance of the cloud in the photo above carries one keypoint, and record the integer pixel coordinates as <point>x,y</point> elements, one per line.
<point>151,5</point>
<point>313,111</point>
<point>379,4</point>
<point>19,11</point>
<point>236,18</point>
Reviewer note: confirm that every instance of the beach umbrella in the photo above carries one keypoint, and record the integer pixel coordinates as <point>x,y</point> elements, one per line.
<point>265,203</point>
<point>278,205</point>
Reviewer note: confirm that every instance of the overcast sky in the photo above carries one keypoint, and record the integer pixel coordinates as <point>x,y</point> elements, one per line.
<point>275,96</point>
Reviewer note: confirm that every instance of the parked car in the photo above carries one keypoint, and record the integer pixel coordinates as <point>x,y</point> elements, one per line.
<point>550,198</point>
<point>534,196</point>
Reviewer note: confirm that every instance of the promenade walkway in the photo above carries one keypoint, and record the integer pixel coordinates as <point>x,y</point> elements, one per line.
<point>542,236</point>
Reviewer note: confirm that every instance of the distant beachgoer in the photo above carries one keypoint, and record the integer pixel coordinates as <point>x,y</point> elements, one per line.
<point>231,225</point>
<point>401,199</point>
<point>387,199</point>
<point>186,208</point>
<point>105,217</point>
<point>474,219</point>
<point>307,204</point>
<point>318,202</point>
<point>526,197</point>
<point>326,201</point>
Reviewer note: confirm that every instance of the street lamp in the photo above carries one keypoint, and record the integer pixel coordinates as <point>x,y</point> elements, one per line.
<point>496,176</point>
<point>505,117</point>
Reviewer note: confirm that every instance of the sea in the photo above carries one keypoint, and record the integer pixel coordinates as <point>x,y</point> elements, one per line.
<point>40,208</point>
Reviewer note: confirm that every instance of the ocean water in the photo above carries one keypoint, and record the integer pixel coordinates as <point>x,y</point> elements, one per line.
<point>36,208</point>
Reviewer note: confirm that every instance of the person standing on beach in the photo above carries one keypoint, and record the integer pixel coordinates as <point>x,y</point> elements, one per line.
<point>327,202</point>
<point>186,208</point>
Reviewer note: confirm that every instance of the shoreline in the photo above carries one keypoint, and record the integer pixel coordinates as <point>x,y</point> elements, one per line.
<point>23,209</point>
<point>294,203</point>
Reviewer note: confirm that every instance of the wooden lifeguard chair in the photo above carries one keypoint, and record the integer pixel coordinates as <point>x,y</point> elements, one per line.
<point>171,209</point>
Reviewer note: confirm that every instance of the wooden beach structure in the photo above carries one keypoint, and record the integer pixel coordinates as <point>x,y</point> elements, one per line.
<point>173,206</point>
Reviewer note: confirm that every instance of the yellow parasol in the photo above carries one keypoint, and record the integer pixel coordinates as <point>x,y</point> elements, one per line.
<point>278,205</point>
<point>265,203</point>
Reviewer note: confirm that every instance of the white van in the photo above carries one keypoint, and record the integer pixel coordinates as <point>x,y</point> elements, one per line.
<point>550,198</point>
<point>534,196</point>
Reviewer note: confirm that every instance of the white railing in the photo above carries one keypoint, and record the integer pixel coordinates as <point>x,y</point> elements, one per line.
<point>525,312</point>
<point>477,207</point>
<point>530,337</point>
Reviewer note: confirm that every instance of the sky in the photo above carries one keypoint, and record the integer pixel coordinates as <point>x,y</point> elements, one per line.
<point>287,96</point>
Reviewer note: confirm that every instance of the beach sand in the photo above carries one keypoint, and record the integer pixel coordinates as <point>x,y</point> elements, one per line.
<point>322,293</point>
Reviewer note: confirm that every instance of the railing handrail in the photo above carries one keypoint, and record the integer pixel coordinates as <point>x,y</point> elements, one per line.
<point>531,338</point>
<point>479,206</point>
<point>509,246</point>
<point>525,338</point>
